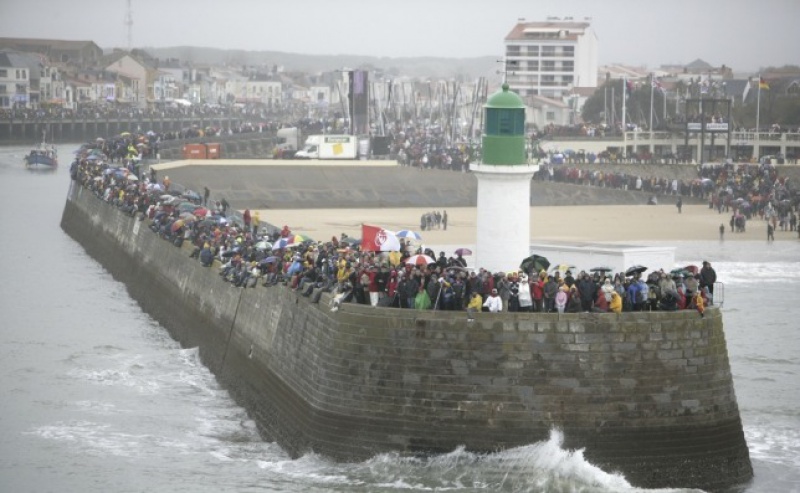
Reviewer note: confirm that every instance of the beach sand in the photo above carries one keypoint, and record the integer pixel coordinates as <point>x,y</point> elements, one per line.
<point>579,224</point>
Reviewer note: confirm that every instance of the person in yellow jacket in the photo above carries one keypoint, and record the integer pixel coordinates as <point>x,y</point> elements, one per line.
<point>474,306</point>
<point>616,303</point>
<point>698,302</point>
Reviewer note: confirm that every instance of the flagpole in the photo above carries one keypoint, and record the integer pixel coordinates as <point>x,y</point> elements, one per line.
<point>624,123</point>
<point>652,83</point>
<point>758,108</point>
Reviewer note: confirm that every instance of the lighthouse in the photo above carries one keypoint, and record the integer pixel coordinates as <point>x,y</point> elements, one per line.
<point>504,185</point>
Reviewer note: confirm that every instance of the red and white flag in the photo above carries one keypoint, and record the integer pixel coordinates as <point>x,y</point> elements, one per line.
<point>376,239</point>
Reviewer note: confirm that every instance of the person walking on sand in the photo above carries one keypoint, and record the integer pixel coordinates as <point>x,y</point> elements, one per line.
<point>721,232</point>
<point>770,232</point>
<point>679,204</point>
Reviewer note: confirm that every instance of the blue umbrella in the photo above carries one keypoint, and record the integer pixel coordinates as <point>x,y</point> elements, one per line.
<point>269,260</point>
<point>407,233</point>
<point>280,244</point>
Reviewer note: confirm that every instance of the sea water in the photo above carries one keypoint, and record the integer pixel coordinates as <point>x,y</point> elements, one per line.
<point>97,397</point>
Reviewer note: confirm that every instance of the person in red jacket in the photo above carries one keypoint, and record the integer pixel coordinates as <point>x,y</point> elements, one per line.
<point>537,292</point>
<point>600,303</point>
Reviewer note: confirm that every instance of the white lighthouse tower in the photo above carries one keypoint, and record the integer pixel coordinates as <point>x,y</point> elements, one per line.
<point>504,185</point>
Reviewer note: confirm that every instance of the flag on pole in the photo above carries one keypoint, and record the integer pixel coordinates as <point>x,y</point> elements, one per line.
<point>762,84</point>
<point>628,88</point>
<point>657,85</point>
<point>376,239</point>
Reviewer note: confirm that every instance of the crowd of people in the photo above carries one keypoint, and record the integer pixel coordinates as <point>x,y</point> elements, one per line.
<point>117,111</point>
<point>250,253</point>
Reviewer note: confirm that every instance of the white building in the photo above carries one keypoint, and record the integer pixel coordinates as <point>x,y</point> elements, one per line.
<point>14,81</point>
<point>550,58</point>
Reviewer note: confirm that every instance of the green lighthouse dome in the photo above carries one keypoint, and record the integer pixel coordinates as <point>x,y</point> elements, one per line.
<point>504,130</point>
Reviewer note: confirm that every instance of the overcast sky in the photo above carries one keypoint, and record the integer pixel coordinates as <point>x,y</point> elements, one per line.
<point>743,34</point>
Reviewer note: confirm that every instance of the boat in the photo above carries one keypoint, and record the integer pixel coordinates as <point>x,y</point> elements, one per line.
<point>42,156</point>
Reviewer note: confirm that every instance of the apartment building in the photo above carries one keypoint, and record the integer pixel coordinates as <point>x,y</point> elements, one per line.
<point>550,58</point>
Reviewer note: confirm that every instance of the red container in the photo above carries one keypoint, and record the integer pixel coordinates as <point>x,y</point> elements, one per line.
<point>195,151</point>
<point>214,151</point>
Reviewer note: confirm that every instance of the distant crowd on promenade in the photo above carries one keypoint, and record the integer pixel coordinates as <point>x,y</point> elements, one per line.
<point>114,111</point>
<point>250,253</point>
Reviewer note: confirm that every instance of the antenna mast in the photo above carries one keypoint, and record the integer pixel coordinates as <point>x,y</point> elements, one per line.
<point>129,25</point>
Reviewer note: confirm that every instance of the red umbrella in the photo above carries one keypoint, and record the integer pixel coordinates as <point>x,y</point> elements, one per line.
<point>200,211</point>
<point>420,260</point>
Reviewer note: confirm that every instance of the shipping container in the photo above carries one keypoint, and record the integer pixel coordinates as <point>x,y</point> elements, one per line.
<point>214,151</point>
<point>195,151</point>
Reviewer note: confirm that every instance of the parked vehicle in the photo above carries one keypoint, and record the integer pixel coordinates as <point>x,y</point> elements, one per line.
<point>329,147</point>
<point>289,141</point>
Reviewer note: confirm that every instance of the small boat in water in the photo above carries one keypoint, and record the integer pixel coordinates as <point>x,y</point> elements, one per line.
<point>42,156</point>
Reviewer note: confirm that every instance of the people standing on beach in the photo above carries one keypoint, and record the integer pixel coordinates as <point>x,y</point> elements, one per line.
<point>770,232</point>
<point>444,220</point>
<point>206,194</point>
<point>721,232</point>
<point>679,204</point>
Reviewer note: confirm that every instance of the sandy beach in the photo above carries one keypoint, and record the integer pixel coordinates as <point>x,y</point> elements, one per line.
<point>580,224</point>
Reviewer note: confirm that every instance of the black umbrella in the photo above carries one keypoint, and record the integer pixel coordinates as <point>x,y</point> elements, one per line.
<point>635,269</point>
<point>600,269</point>
<point>534,263</point>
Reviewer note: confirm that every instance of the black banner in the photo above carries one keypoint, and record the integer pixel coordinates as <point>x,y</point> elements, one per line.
<point>359,102</point>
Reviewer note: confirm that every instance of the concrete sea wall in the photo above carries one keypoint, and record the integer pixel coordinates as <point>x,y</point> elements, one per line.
<point>648,394</point>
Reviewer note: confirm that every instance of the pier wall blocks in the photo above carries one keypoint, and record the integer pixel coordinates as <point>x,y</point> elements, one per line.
<point>648,394</point>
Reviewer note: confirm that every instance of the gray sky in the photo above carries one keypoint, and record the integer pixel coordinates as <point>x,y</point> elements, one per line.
<point>743,34</point>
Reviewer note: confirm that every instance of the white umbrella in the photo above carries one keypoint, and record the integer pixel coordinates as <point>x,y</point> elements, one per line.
<point>407,233</point>
<point>420,260</point>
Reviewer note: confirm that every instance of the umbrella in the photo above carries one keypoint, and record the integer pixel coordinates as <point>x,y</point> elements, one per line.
<point>269,260</point>
<point>177,225</point>
<point>407,233</point>
<point>188,216</point>
<point>635,269</point>
<point>463,251</point>
<point>691,268</point>
<point>200,211</point>
<point>280,244</point>
<point>355,243</point>
<point>132,177</point>
<point>97,178</point>
<point>562,267</point>
<point>125,134</point>
<point>679,272</point>
<point>94,157</point>
<point>295,240</point>
<point>534,263</point>
<point>191,195</point>
<point>186,207</point>
<point>601,269</point>
<point>263,245</point>
<point>420,260</point>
